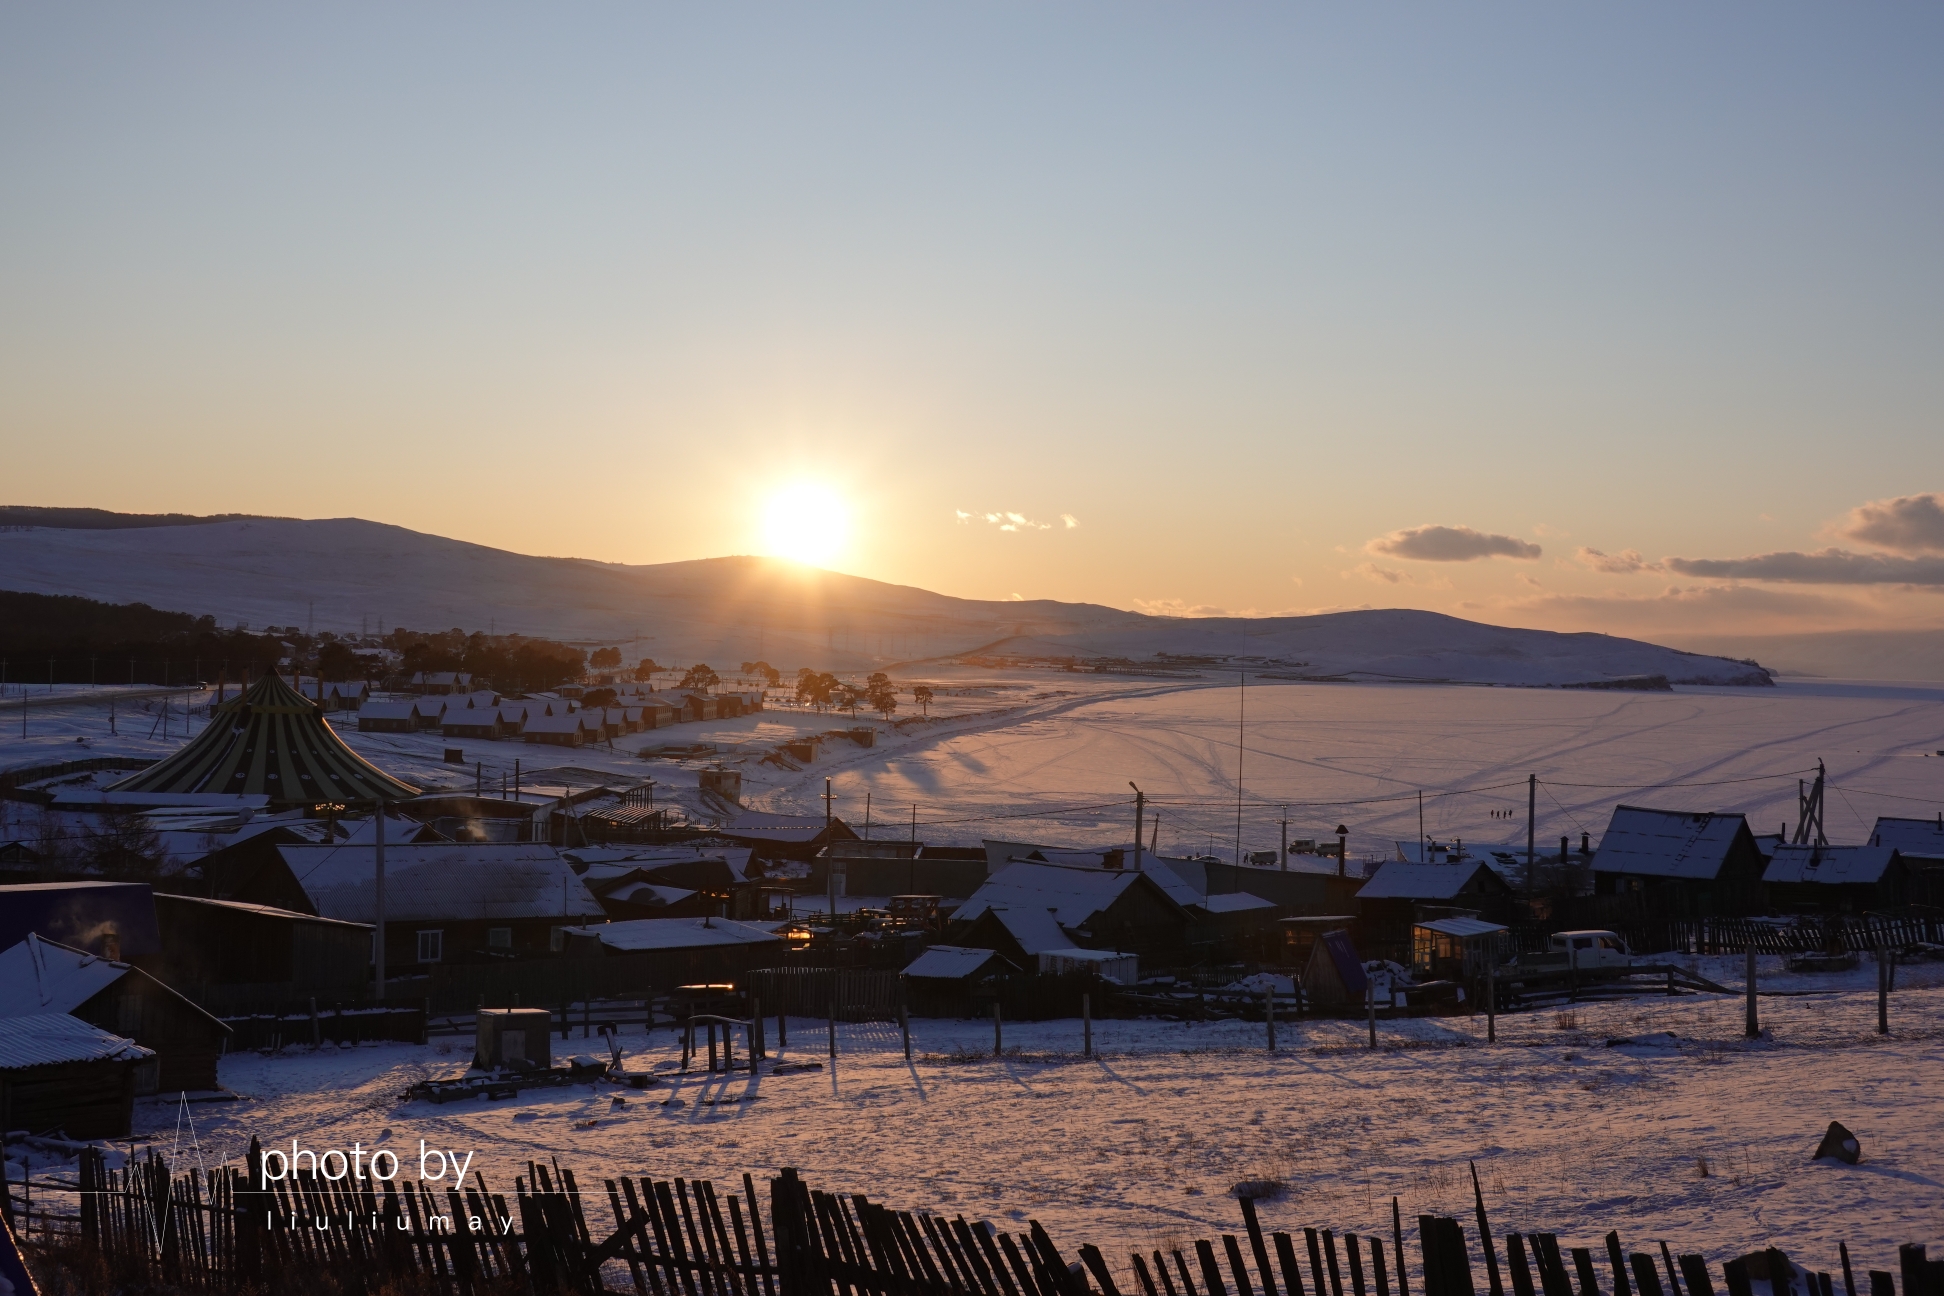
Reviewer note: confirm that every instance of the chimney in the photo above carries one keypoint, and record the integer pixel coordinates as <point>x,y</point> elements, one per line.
<point>1585,847</point>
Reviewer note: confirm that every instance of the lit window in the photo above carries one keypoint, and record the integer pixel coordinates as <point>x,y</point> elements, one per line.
<point>431,946</point>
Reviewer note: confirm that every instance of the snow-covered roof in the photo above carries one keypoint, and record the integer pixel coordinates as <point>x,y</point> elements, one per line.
<point>446,881</point>
<point>1396,880</point>
<point>1921,837</point>
<point>546,724</point>
<point>951,963</point>
<point>677,933</point>
<point>1179,889</point>
<point>1667,843</point>
<point>1034,928</point>
<point>1830,865</point>
<point>387,709</point>
<point>51,1038</point>
<point>1073,894</point>
<point>1463,928</point>
<point>398,831</point>
<point>40,976</point>
<point>1234,902</point>
<point>649,893</point>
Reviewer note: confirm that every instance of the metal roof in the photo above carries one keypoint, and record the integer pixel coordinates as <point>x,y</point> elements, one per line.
<point>264,911</point>
<point>677,933</point>
<point>1667,843</point>
<point>952,962</point>
<point>442,881</point>
<point>51,1038</point>
<point>272,741</point>
<point>1396,880</point>
<point>1922,837</point>
<point>1073,894</point>
<point>1462,927</point>
<point>1830,865</point>
<point>1234,902</point>
<point>40,976</point>
<point>1035,929</point>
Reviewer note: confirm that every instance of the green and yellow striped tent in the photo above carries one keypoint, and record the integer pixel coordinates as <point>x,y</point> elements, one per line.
<point>270,741</point>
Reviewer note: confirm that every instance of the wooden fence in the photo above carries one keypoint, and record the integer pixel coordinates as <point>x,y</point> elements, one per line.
<point>849,994</point>
<point>242,1232</point>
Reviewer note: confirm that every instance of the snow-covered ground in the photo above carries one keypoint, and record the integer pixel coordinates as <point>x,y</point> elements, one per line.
<point>1689,1133</point>
<point>1048,756</point>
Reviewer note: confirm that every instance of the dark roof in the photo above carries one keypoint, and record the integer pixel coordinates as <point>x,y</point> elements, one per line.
<point>1918,837</point>
<point>77,913</point>
<point>1667,843</point>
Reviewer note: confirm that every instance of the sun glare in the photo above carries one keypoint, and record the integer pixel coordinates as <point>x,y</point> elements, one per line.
<point>807,521</point>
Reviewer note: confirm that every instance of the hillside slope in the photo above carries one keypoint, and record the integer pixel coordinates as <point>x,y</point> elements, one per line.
<point>346,574</point>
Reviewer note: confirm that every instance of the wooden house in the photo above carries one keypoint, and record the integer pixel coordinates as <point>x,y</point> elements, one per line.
<point>1117,909</point>
<point>42,976</point>
<point>474,722</point>
<point>61,1076</point>
<point>445,902</point>
<point>229,943</point>
<point>1681,862</point>
<point>1399,894</point>
<point>557,730</point>
<point>383,715</point>
<point>1837,879</point>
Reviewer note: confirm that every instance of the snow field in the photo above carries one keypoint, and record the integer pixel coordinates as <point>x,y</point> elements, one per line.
<point>1690,1133</point>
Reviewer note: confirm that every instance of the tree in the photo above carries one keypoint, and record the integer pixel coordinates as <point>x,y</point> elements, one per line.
<point>884,698</point>
<point>923,697</point>
<point>700,678</point>
<point>124,846</point>
<point>605,658</point>
<point>646,670</point>
<point>815,688</point>
<point>598,697</point>
<point>847,698</point>
<point>336,662</point>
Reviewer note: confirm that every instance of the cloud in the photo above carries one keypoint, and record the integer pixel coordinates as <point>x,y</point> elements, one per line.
<point>1526,578</point>
<point>1824,567</point>
<point>1070,520</point>
<point>1909,524</point>
<point>1371,571</point>
<point>1450,544</point>
<point>1741,609</point>
<point>1624,563</point>
<point>1009,521</point>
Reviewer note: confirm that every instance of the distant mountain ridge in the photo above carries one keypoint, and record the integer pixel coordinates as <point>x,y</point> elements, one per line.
<point>347,574</point>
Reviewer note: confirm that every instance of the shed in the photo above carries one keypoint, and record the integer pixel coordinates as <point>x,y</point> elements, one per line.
<point>59,1075</point>
<point>1460,948</point>
<point>1022,933</point>
<point>1398,892</point>
<point>1919,841</point>
<point>1837,879</point>
<point>516,1039</point>
<point>1101,908</point>
<point>227,942</point>
<point>43,976</point>
<point>960,964</point>
<point>681,951</point>
<point>1335,975</point>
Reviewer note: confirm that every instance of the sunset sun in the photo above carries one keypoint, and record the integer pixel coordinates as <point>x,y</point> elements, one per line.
<point>807,521</point>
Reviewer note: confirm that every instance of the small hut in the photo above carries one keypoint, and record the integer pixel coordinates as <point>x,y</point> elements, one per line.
<point>1335,975</point>
<point>60,1075</point>
<point>270,741</point>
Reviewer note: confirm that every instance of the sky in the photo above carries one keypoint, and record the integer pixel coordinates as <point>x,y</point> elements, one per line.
<point>1623,319</point>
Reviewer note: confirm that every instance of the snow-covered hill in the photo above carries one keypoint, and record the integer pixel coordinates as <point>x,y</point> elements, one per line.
<point>346,573</point>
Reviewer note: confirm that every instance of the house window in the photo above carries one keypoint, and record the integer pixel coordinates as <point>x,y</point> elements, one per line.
<point>499,938</point>
<point>557,939</point>
<point>431,946</point>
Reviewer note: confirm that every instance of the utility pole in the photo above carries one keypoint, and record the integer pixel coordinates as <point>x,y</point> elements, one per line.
<point>1140,805</point>
<point>1285,868</point>
<point>1241,732</point>
<point>1532,818</point>
<point>830,871</point>
<point>378,933</point>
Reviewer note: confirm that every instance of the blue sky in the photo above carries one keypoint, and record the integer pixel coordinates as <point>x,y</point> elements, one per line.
<point>1239,291</point>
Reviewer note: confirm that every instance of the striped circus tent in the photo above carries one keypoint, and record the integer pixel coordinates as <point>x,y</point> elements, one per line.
<point>270,741</point>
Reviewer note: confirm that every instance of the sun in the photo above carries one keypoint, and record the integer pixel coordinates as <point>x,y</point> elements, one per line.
<point>807,521</point>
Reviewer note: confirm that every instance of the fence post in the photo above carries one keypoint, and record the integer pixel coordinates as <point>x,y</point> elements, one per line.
<point>998,1041</point>
<point>756,1050</point>
<point>317,1032</point>
<point>1370,1002</point>
<point>1269,1015</point>
<point>1491,1001</point>
<point>1754,1028</point>
<point>1883,992</point>
<point>782,1031</point>
<point>904,1027</point>
<point>1086,1025</point>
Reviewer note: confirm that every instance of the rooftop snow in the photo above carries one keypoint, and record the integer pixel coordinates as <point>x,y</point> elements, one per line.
<point>451,881</point>
<point>950,962</point>
<point>1667,843</point>
<point>1396,880</point>
<point>39,976</point>
<point>677,933</point>
<point>1921,837</point>
<point>1830,865</point>
<point>51,1038</point>
<point>1073,894</point>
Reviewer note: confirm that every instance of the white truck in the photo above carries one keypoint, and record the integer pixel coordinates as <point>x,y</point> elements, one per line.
<point>1580,951</point>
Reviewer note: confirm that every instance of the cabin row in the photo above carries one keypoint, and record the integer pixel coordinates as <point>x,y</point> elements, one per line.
<point>548,718</point>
